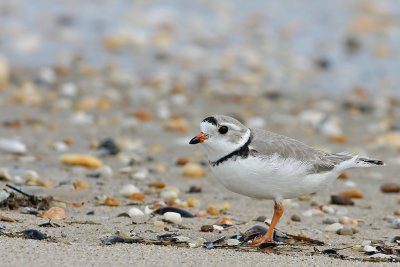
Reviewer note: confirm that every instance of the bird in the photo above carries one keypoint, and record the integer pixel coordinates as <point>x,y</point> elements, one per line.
<point>265,165</point>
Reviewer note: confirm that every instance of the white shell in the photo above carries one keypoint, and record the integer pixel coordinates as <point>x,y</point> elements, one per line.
<point>173,217</point>
<point>12,146</point>
<point>135,212</point>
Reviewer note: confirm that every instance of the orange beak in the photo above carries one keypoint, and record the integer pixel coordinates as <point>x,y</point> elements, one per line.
<point>200,138</point>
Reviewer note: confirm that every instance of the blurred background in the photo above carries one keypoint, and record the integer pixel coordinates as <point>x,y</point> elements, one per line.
<point>235,46</point>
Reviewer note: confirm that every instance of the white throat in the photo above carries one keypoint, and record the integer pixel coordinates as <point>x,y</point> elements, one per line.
<point>217,149</point>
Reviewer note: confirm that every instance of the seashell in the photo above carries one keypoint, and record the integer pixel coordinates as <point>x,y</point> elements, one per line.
<point>137,197</point>
<point>54,213</point>
<point>112,202</point>
<point>173,217</point>
<point>182,212</point>
<point>12,146</point>
<point>128,190</point>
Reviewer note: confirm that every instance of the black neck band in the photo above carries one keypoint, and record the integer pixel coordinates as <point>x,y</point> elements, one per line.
<point>242,152</point>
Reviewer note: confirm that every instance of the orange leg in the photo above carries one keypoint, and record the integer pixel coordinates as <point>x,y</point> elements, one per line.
<point>267,238</point>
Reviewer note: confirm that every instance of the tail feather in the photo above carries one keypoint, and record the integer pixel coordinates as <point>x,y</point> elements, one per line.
<point>366,162</point>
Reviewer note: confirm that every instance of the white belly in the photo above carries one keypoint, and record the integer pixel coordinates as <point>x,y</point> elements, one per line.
<point>273,178</point>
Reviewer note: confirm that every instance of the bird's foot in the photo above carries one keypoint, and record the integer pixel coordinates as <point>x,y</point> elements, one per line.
<point>260,241</point>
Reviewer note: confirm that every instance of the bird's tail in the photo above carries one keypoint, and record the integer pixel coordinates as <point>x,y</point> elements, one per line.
<point>367,162</point>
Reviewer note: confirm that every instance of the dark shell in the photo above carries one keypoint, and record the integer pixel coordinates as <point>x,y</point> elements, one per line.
<point>182,212</point>
<point>34,234</point>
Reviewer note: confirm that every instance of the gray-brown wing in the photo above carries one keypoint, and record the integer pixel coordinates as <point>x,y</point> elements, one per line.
<point>267,144</point>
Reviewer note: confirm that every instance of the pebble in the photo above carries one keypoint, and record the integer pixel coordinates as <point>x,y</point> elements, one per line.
<point>295,218</point>
<point>333,227</point>
<point>4,174</point>
<point>54,213</point>
<point>369,248</point>
<point>81,160</point>
<point>193,170</point>
<point>12,146</point>
<point>137,197</point>
<point>108,147</point>
<point>140,175</point>
<point>169,194</point>
<point>330,220</point>
<point>60,146</point>
<point>207,228</point>
<point>195,189</point>
<point>173,217</point>
<point>106,171</point>
<point>397,212</point>
<point>4,72</point>
<point>328,209</point>
<point>347,220</point>
<point>159,223</point>
<point>218,228</point>
<point>135,212</point>
<point>390,188</point>
<point>312,212</point>
<point>224,221</point>
<point>346,231</point>
<point>3,195</point>
<point>355,193</point>
<point>79,184</point>
<point>396,223</point>
<point>232,242</point>
<point>128,190</point>
<point>340,200</point>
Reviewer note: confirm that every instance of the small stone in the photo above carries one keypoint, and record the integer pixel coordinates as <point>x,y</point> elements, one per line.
<point>194,189</point>
<point>4,174</point>
<point>355,193</point>
<point>182,161</point>
<point>328,209</point>
<point>4,195</point>
<point>369,248</point>
<point>143,116</point>
<point>173,217</point>
<point>79,184</point>
<point>192,202</point>
<point>333,227</point>
<point>81,160</point>
<point>193,170</point>
<point>307,213</point>
<point>396,223</point>
<point>112,202</point>
<point>135,212</point>
<point>340,139</point>
<point>218,228</point>
<point>212,210</point>
<point>128,190</point>
<point>106,171</point>
<point>108,147</point>
<point>390,188</point>
<point>366,243</point>
<point>178,125</point>
<point>224,221</point>
<point>347,220</point>
<point>136,196</point>
<point>232,242</point>
<point>4,73</point>
<point>140,175</point>
<point>12,146</point>
<point>346,231</point>
<point>295,218</point>
<point>207,228</point>
<point>305,197</point>
<point>330,220</point>
<point>357,248</point>
<point>54,213</point>
<point>339,200</point>
<point>169,194</point>
<point>397,212</point>
<point>158,185</point>
<point>343,176</point>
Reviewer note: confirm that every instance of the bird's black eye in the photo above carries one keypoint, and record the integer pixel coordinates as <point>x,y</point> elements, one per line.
<point>223,129</point>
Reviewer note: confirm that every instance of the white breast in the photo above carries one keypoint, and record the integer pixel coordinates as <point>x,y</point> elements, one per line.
<point>270,178</point>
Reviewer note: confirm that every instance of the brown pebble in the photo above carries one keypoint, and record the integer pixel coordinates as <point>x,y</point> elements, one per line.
<point>355,193</point>
<point>158,185</point>
<point>6,219</point>
<point>182,161</point>
<point>295,218</point>
<point>397,212</point>
<point>79,184</point>
<point>343,176</point>
<point>54,213</point>
<point>340,139</point>
<point>80,160</point>
<point>207,228</point>
<point>212,210</point>
<point>390,188</point>
<point>193,170</point>
<point>195,189</point>
<point>136,196</point>
<point>340,200</point>
<point>143,116</point>
<point>112,202</point>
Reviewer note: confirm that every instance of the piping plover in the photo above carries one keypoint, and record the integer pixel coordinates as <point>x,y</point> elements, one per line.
<point>266,165</point>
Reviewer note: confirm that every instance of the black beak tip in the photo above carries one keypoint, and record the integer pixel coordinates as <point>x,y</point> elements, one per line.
<point>194,141</point>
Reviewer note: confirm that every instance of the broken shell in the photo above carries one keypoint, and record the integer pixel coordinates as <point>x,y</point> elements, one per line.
<point>128,190</point>
<point>81,160</point>
<point>193,170</point>
<point>135,212</point>
<point>137,197</point>
<point>54,213</point>
<point>355,193</point>
<point>173,217</point>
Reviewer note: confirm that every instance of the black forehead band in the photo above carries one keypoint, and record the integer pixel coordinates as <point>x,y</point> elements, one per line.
<point>211,120</point>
